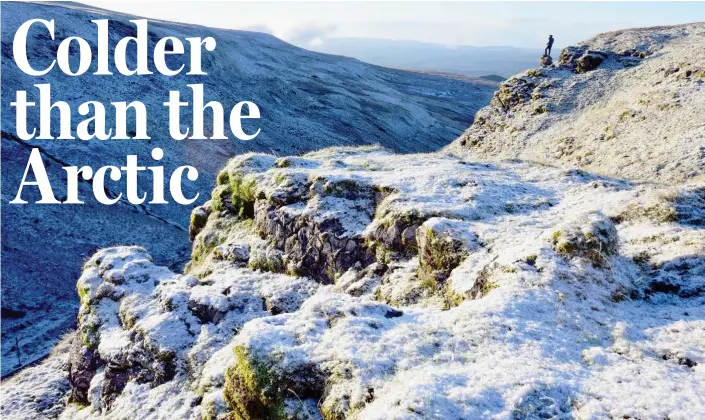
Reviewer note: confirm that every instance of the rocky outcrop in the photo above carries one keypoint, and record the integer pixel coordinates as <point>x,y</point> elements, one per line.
<point>146,325</point>
<point>621,104</point>
<point>456,267</point>
<point>581,59</point>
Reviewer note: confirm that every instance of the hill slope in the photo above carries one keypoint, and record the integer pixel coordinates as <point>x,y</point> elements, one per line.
<point>308,100</point>
<point>605,108</point>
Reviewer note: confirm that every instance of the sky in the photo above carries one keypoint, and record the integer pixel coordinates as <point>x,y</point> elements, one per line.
<point>516,24</point>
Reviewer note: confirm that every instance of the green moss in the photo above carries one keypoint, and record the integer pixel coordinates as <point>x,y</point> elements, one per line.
<point>243,195</point>
<point>626,115</point>
<point>556,235</point>
<point>127,320</point>
<point>509,269</point>
<point>345,188</point>
<point>541,109</point>
<point>84,294</point>
<point>168,305</point>
<point>450,298</point>
<point>660,213</point>
<point>198,221</point>
<point>252,391</point>
<point>223,178</point>
<point>429,282</point>
<point>279,177</point>
<point>329,412</point>
<point>200,252</point>
<point>209,412</point>
<point>271,265</point>
<point>565,248</point>
<point>79,404</point>
<point>241,192</point>
<point>90,336</point>
<point>535,73</point>
<point>488,286</point>
<point>443,253</point>
<point>218,197</point>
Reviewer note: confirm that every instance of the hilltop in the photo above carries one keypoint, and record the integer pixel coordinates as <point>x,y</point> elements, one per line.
<point>628,104</point>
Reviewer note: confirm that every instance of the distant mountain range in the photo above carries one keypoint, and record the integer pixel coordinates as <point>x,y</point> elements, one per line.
<point>466,60</point>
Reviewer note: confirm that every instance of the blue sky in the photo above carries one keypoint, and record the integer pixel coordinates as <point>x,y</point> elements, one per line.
<point>519,24</point>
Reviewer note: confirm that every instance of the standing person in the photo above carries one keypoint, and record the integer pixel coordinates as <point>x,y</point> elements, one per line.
<point>547,51</point>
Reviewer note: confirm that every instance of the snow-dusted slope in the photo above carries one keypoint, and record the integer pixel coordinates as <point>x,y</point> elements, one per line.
<point>633,107</point>
<point>417,286</point>
<point>308,101</point>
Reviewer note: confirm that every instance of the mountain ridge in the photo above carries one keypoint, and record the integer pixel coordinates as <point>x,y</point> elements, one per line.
<point>604,117</point>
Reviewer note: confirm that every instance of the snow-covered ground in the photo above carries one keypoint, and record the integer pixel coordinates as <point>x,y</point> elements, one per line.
<point>640,114</point>
<point>479,290</point>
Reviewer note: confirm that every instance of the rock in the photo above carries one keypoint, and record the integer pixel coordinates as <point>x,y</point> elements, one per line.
<point>199,217</point>
<point>513,93</point>
<point>579,82</point>
<point>83,363</point>
<point>395,236</point>
<point>581,59</point>
<point>235,252</point>
<point>356,282</point>
<point>546,61</point>
<point>114,380</point>
<point>141,331</point>
<point>258,387</point>
<point>590,61</point>
<point>318,247</point>
<point>443,244</point>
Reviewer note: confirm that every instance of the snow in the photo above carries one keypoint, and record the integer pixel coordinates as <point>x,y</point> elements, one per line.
<point>556,335</point>
<point>629,118</point>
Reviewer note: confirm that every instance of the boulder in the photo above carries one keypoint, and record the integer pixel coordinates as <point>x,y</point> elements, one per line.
<point>590,61</point>
<point>546,60</point>
<point>581,59</point>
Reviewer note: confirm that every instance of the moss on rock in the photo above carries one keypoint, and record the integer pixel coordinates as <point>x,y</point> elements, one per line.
<point>257,389</point>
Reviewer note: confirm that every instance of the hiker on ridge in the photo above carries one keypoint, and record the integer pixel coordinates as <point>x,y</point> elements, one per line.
<point>547,51</point>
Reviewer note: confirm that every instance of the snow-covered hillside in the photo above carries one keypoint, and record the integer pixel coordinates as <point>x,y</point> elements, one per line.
<point>308,100</point>
<point>352,282</point>
<point>355,283</point>
<point>629,104</point>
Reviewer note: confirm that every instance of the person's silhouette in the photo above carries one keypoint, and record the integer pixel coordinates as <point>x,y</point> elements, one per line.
<point>549,45</point>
